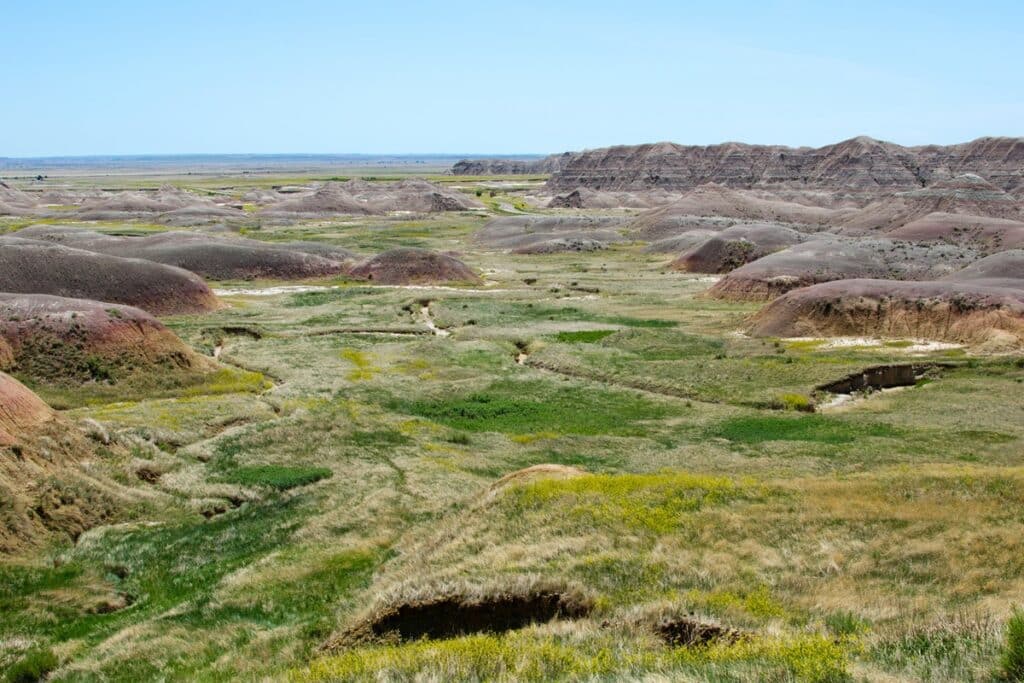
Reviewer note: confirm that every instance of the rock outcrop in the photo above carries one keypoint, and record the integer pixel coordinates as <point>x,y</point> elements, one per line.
<point>830,258</point>
<point>358,197</point>
<point>947,311</point>
<point>715,202</point>
<point>480,167</point>
<point>545,234</point>
<point>857,165</point>
<point>736,246</point>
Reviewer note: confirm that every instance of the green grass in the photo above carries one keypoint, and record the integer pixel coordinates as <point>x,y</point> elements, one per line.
<point>520,656</point>
<point>33,666</point>
<point>813,428</point>
<point>583,336</point>
<point>276,477</point>
<point>533,406</point>
<point>1011,660</point>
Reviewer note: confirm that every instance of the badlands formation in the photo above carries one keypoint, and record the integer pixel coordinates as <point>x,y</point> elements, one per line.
<point>656,412</point>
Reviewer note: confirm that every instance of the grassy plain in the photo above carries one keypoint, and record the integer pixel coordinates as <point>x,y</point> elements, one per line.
<point>347,458</point>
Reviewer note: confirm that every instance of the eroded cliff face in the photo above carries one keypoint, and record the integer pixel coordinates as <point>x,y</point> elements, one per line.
<point>857,165</point>
<point>549,164</point>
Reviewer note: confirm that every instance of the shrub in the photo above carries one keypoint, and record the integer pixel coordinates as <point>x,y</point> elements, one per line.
<point>32,667</point>
<point>1011,663</point>
<point>796,402</point>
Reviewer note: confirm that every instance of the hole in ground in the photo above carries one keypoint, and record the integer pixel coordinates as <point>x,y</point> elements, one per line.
<point>689,632</point>
<point>449,617</point>
<point>881,377</point>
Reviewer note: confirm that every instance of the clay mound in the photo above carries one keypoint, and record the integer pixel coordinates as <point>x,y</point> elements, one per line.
<point>144,204</point>
<point>736,246</point>
<point>14,202</point>
<point>211,256</point>
<point>533,234</point>
<point>357,197</point>
<point>966,194</point>
<point>682,242</point>
<point>62,340</point>
<point>945,311</point>
<point>36,267</point>
<point>828,258</point>
<point>200,214</point>
<point>721,202</point>
<point>414,266</point>
<point>1005,269</point>
<point>20,409</point>
<point>560,245</point>
<point>327,251</point>
<point>585,198</point>
<point>980,232</point>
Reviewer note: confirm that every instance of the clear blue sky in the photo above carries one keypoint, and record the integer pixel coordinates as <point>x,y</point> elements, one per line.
<point>386,76</point>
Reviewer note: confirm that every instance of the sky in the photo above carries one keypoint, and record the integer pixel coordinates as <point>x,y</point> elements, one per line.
<point>394,77</point>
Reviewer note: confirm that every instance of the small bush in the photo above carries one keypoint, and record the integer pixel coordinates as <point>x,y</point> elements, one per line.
<point>796,402</point>
<point>460,438</point>
<point>1011,663</point>
<point>844,623</point>
<point>32,667</point>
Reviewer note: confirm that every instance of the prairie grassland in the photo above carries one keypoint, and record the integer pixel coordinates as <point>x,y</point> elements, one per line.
<point>349,458</point>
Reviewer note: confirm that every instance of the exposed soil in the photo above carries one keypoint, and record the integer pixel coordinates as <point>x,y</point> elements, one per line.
<point>880,377</point>
<point>211,256</point>
<point>689,632</point>
<point>414,266</point>
<point>57,339</point>
<point>36,267</point>
<point>736,246</point>
<point>961,312</point>
<point>829,258</point>
<point>450,617</point>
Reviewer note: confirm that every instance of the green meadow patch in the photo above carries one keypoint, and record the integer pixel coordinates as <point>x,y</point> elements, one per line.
<point>583,336</point>
<point>534,406</point>
<point>277,477</point>
<point>813,428</point>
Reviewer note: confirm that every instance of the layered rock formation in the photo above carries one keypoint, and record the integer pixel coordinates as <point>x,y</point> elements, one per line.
<point>857,165</point>
<point>980,304</point>
<point>548,164</point>
<point>966,194</point>
<point>830,258</point>
<point>736,246</point>
<point>707,205</point>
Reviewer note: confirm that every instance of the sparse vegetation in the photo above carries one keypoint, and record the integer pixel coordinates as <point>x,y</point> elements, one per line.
<point>681,475</point>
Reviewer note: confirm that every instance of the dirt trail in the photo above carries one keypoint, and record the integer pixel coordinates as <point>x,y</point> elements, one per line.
<point>428,320</point>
